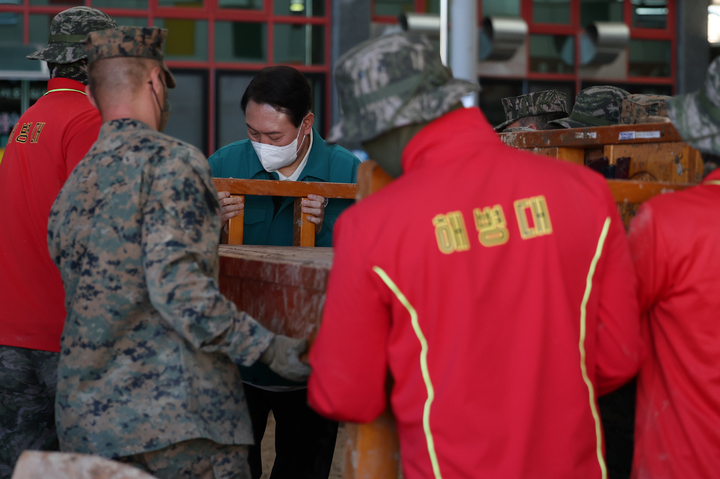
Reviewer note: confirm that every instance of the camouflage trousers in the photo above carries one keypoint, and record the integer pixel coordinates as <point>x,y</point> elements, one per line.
<point>28,381</point>
<point>193,459</point>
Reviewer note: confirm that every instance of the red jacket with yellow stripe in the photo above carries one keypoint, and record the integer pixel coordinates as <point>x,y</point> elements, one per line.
<point>496,287</point>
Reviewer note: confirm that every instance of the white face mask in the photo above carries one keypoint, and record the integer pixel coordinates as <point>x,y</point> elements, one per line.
<point>275,157</point>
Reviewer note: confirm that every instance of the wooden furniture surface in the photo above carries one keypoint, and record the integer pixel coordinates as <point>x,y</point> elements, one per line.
<point>283,287</point>
<point>304,230</point>
<point>659,161</point>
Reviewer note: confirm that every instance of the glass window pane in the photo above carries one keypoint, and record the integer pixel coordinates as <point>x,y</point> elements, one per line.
<point>11,28</point>
<point>63,3</point>
<point>39,26</point>
<point>180,3</point>
<point>230,124</point>
<point>552,53</point>
<point>138,4</point>
<point>494,90</point>
<point>649,58</point>
<point>317,86</point>
<point>551,11</point>
<point>242,4</point>
<point>186,40</point>
<point>394,7</point>
<point>300,8</point>
<point>650,14</point>
<point>600,11</point>
<point>188,108</point>
<point>131,21</point>
<point>10,103</point>
<point>501,8</point>
<point>299,44</point>
<point>243,42</point>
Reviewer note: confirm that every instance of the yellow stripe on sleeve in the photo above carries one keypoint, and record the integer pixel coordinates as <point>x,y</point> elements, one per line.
<point>423,367</point>
<point>583,328</point>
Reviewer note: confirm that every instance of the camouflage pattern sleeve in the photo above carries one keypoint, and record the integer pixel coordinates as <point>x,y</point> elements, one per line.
<point>179,244</point>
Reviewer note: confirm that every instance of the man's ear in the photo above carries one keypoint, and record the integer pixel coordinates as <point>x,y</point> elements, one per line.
<point>156,77</point>
<point>308,123</point>
<point>90,97</point>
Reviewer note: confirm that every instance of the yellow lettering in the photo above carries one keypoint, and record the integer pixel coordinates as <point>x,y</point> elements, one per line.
<point>536,208</point>
<point>22,137</point>
<point>36,132</point>
<point>450,232</point>
<point>491,226</point>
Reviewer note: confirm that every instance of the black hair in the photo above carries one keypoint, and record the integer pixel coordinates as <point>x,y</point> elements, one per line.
<point>283,88</point>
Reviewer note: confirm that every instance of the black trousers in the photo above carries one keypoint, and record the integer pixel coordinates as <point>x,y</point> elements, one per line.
<point>304,440</point>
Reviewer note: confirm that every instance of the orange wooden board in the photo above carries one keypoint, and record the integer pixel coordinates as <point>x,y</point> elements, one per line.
<point>283,287</point>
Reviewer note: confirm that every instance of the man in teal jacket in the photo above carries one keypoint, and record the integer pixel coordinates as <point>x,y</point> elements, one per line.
<point>283,145</point>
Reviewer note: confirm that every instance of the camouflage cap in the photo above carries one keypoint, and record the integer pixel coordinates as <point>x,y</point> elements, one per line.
<point>637,108</point>
<point>595,106</point>
<point>390,82</point>
<point>142,42</point>
<point>532,104</point>
<point>67,29</point>
<point>696,116</point>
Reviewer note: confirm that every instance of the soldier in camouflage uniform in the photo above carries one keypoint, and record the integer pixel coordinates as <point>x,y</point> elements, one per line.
<point>50,138</point>
<point>148,370</point>
<point>640,108</point>
<point>532,111</point>
<point>594,106</point>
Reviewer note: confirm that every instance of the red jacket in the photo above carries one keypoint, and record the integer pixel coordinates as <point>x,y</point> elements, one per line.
<point>496,286</point>
<point>675,245</point>
<point>48,141</point>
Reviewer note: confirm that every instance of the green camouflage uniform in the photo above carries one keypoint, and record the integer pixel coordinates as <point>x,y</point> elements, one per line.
<point>696,116</point>
<point>532,104</point>
<point>150,345</point>
<point>414,88</point>
<point>28,377</point>
<point>643,109</point>
<point>594,106</point>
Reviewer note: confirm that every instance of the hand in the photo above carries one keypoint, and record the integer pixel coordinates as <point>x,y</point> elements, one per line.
<point>230,206</point>
<point>314,206</point>
<point>283,357</point>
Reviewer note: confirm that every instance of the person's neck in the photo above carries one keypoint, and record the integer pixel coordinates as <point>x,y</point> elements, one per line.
<point>129,110</point>
<point>288,170</point>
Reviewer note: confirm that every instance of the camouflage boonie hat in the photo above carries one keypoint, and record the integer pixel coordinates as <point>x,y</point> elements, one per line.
<point>142,42</point>
<point>639,108</point>
<point>67,30</point>
<point>532,104</point>
<point>392,81</point>
<point>696,116</point>
<point>594,106</point>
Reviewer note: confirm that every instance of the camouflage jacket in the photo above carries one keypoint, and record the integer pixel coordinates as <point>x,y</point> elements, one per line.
<point>149,342</point>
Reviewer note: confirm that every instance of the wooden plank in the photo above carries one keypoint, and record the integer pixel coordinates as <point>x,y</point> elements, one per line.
<point>283,287</point>
<point>573,155</point>
<point>303,230</point>
<point>286,188</point>
<point>372,449</point>
<point>674,162</point>
<point>236,226</point>
<point>371,178</point>
<point>583,137</point>
<point>630,191</point>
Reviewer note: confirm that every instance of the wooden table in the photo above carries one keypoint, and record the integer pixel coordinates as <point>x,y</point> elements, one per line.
<point>283,287</point>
